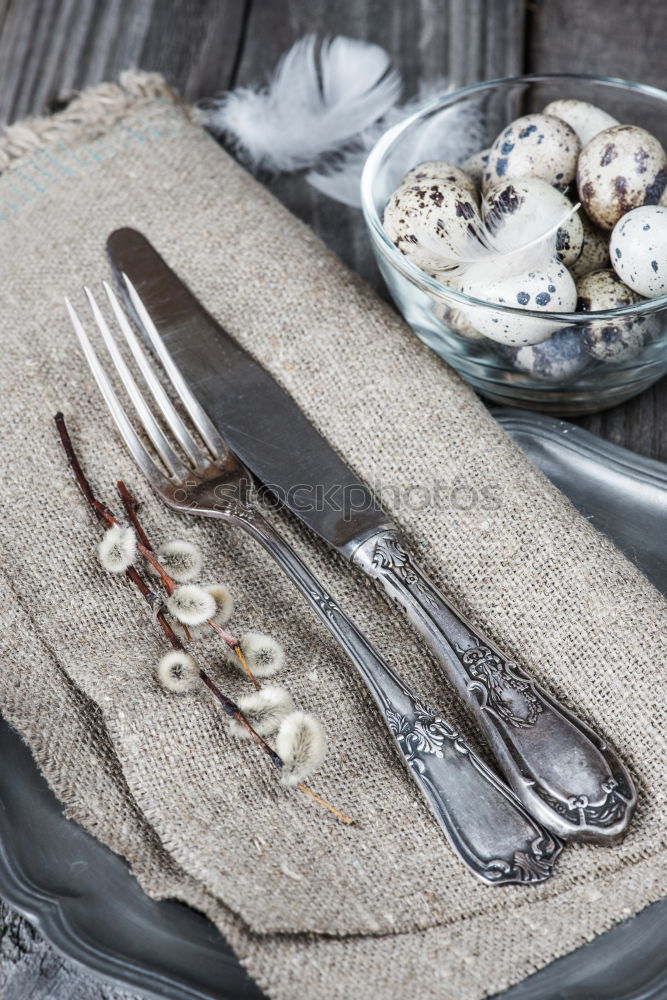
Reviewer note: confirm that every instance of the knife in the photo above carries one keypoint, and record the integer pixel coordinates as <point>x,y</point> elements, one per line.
<point>564,773</point>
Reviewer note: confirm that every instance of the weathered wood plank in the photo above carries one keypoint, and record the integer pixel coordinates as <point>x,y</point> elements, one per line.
<point>609,38</point>
<point>48,48</point>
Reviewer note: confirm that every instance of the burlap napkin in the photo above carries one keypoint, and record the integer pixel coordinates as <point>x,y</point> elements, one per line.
<point>338,911</point>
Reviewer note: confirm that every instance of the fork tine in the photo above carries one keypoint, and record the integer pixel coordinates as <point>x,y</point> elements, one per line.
<point>187,442</point>
<point>208,431</point>
<point>154,475</point>
<point>151,426</point>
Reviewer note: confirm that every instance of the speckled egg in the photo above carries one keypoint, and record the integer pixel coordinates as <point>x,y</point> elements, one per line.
<point>457,321</point>
<point>594,249</point>
<point>586,119</point>
<point>534,146</point>
<point>620,169</point>
<point>439,172</point>
<point>552,290</point>
<point>559,358</point>
<point>517,206</point>
<point>476,164</point>
<point>606,339</point>
<point>638,250</point>
<point>450,314</point>
<point>446,212</point>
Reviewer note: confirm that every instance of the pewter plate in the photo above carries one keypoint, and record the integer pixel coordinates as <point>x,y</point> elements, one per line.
<point>86,903</point>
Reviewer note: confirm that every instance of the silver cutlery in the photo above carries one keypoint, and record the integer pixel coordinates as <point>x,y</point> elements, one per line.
<point>564,773</point>
<point>489,829</point>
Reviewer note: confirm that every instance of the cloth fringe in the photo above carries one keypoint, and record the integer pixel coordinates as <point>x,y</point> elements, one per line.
<point>90,113</point>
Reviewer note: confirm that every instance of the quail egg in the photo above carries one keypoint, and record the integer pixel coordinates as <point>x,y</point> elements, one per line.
<point>420,219</point>
<point>451,315</point>
<point>519,205</point>
<point>620,169</point>
<point>586,119</point>
<point>610,339</point>
<point>549,290</point>
<point>439,172</point>
<point>534,146</point>
<point>476,164</point>
<point>638,249</point>
<point>456,320</point>
<point>594,249</point>
<point>560,357</point>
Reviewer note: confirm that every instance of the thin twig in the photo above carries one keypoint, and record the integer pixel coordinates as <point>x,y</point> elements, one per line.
<point>104,515</point>
<point>234,712</point>
<point>101,512</point>
<point>131,505</point>
<point>327,805</point>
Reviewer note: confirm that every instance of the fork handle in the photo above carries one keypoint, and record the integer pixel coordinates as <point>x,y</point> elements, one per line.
<point>483,820</point>
<point>561,770</point>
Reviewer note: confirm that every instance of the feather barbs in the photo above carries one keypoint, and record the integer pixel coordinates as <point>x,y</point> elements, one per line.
<point>309,107</point>
<point>505,249</point>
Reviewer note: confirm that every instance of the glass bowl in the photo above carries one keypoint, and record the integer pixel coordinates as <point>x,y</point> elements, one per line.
<point>451,128</point>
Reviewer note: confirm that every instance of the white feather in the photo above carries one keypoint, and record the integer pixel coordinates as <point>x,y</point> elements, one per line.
<point>453,135</point>
<point>513,245</point>
<point>307,110</point>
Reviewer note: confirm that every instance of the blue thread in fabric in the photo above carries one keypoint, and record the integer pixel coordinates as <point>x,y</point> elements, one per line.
<point>40,171</point>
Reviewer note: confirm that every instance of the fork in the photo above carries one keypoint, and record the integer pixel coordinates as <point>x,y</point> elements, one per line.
<point>486,825</point>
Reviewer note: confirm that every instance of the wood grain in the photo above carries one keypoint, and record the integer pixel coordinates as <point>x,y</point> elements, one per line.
<point>609,38</point>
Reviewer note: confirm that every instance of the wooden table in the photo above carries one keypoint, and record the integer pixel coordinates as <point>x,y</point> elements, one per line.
<point>49,48</point>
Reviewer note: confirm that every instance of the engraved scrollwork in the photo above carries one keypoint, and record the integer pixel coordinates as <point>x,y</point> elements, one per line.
<point>390,556</point>
<point>504,691</point>
<point>425,733</point>
<point>224,499</point>
<point>325,603</point>
<point>533,865</point>
<point>422,733</point>
<point>239,509</point>
<point>578,809</point>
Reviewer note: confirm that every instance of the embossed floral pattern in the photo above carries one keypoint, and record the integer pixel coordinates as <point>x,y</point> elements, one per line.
<point>505,692</point>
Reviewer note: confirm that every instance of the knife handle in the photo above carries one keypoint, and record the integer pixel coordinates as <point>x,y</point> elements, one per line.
<point>565,774</point>
<point>483,820</point>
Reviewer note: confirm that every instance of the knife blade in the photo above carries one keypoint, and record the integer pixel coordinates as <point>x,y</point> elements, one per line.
<point>563,772</point>
<point>262,425</point>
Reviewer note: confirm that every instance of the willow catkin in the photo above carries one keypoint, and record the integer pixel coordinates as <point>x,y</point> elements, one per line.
<point>118,548</point>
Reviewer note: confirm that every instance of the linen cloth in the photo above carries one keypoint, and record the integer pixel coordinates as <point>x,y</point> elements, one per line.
<point>305,901</point>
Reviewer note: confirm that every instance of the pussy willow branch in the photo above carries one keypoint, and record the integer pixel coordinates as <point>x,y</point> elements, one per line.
<point>131,505</point>
<point>105,516</point>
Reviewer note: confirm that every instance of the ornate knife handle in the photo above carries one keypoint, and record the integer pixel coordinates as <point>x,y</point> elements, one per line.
<point>483,820</point>
<point>565,774</point>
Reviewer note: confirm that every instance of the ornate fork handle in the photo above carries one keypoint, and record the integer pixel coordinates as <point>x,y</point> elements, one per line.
<point>483,820</point>
<point>561,770</point>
